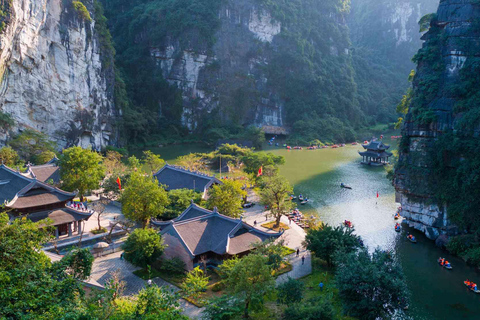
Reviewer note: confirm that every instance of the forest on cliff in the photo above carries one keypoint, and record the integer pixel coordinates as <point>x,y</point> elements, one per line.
<point>332,69</point>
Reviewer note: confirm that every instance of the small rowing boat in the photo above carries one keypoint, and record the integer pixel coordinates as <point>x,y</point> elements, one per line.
<point>345,186</point>
<point>300,198</point>
<point>304,201</point>
<point>398,228</point>
<point>348,224</point>
<point>471,286</point>
<point>411,238</point>
<point>444,263</point>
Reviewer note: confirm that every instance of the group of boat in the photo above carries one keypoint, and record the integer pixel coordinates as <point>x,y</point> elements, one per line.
<point>348,224</point>
<point>301,198</point>
<point>297,217</point>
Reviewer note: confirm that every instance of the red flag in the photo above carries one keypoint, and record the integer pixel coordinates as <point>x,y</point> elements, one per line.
<point>377,194</point>
<point>119,183</point>
<point>260,172</point>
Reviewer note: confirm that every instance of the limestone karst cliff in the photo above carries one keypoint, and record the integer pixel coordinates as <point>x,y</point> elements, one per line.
<point>438,162</point>
<point>53,79</point>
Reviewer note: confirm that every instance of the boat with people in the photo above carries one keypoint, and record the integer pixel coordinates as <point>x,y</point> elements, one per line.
<point>397,216</point>
<point>471,285</point>
<point>342,145</point>
<point>348,224</point>
<point>444,263</point>
<point>289,148</point>
<point>334,146</point>
<point>411,238</point>
<point>293,197</point>
<point>300,197</point>
<point>305,201</point>
<point>398,228</point>
<point>354,143</point>
<point>342,185</point>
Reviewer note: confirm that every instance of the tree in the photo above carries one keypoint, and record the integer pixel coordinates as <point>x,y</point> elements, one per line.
<point>274,194</point>
<point>143,199</point>
<point>179,200</point>
<point>290,291</point>
<point>193,162</point>
<point>227,197</point>
<point>143,247</point>
<point>370,286</point>
<point>152,161</point>
<point>44,157</point>
<point>78,263</point>
<point>250,278</point>
<point>195,283</point>
<point>30,285</point>
<point>30,143</point>
<point>254,160</point>
<point>81,170</point>
<point>9,157</point>
<point>222,308</point>
<point>155,302</point>
<point>113,162</point>
<point>325,241</point>
<point>99,207</point>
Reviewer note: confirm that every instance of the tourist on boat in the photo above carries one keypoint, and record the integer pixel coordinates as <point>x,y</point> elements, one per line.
<point>441,261</point>
<point>447,264</point>
<point>411,237</point>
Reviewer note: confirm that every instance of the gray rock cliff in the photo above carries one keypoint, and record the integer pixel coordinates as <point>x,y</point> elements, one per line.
<point>52,78</point>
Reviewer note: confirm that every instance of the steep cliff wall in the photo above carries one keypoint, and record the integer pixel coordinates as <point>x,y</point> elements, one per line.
<point>52,75</point>
<point>438,164</point>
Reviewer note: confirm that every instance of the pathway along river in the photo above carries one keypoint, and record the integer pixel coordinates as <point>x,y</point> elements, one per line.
<point>436,293</point>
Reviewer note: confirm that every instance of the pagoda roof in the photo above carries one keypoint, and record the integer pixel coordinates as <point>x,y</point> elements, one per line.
<point>175,177</point>
<point>11,182</point>
<point>37,193</point>
<point>375,145</point>
<point>44,173</point>
<point>60,216</point>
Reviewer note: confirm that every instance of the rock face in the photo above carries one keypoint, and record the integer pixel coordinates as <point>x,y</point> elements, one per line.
<point>240,81</point>
<point>450,42</point>
<point>52,75</point>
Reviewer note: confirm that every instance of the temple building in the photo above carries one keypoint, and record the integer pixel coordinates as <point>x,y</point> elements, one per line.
<point>36,200</point>
<point>175,177</point>
<point>48,172</point>
<point>199,234</point>
<point>375,154</point>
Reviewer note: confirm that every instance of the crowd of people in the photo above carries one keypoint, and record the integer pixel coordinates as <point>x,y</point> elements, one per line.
<point>80,206</point>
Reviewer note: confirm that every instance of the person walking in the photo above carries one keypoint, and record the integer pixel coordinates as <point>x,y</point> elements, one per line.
<point>255,223</point>
<point>303,260</point>
<point>298,251</point>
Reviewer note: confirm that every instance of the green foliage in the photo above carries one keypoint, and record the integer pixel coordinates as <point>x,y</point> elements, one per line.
<point>9,157</point>
<point>222,308</point>
<point>45,156</point>
<point>173,265</point>
<point>30,143</point>
<point>143,199</point>
<point>325,241</point>
<point>249,279</point>
<point>253,161</point>
<point>274,192</point>
<point>6,120</point>
<point>81,170</point>
<point>426,20</point>
<point>370,286</point>
<point>30,286</point>
<point>458,245</point>
<point>273,250</point>
<point>155,302</point>
<point>143,246</point>
<point>107,51</point>
<point>291,291</point>
<point>179,201</point>
<point>227,197</point>
<point>195,283</point>
<point>152,161</point>
<point>78,263</point>
<point>322,310</point>
<point>82,11</point>
<point>473,257</point>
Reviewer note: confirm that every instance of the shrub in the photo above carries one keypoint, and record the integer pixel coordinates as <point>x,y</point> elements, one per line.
<point>460,244</point>
<point>173,265</point>
<point>322,310</point>
<point>143,247</point>
<point>290,291</point>
<point>473,257</point>
<point>219,286</point>
<point>82,11</point>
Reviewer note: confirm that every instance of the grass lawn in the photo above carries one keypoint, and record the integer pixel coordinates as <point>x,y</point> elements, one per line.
<point>287,251</point>
<point>284,268</point>
<point>269,225</point>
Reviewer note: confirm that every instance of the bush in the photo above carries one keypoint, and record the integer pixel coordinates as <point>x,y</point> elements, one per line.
<point>290,291</point>
<point>219,286</point>
<point>173,265</point>
<point>460,244</point>
<point>473,257</point>
<point>322,310</point>
<point>143,247</point>
<point>82,11</point>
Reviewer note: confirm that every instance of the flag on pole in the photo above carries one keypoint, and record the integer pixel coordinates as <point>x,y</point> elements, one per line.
<point>377,194</point>
<point>260,171</point>
<point>119,183</point>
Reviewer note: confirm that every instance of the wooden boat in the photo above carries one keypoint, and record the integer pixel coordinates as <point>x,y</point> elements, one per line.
<point>348,224</point>
<point>354,143</point>
<point>398,228</point>
<point>304,201</point>
<point>300,198</point>
<point>334,146</point>
<point>470,288</point>
<point>444,265</point>
<point>412,240</point>
<point>345,186</point>
<point>397,216</point>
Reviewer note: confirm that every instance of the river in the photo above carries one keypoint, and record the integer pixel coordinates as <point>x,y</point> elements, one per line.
<point>436,293</point>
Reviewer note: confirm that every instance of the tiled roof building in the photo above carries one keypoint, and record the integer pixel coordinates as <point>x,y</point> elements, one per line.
<point>200,232</point>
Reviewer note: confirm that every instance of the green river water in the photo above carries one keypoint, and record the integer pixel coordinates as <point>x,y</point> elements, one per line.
<point>436,293</point>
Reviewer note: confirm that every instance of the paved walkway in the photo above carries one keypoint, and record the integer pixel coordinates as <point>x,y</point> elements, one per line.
<point>299,269</point>
<point>104,267</point>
